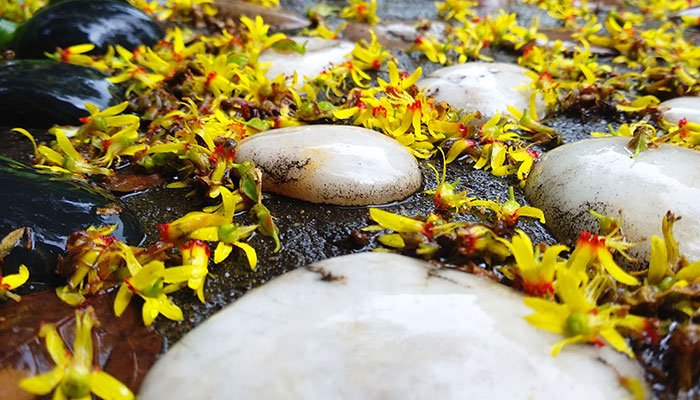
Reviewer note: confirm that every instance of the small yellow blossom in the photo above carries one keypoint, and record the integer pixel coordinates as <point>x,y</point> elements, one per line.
<point>74,376</point>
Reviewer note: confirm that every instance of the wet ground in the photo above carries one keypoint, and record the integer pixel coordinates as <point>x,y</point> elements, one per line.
<point>311,232</point>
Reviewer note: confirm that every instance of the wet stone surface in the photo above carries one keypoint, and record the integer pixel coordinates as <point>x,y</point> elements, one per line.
<point>486,87</point>
<point>320,53</point>
<point>396,325</point>
<point>601,175</point>
<point>676,109</point>
<point>332,164</point>
<point>102,23</point>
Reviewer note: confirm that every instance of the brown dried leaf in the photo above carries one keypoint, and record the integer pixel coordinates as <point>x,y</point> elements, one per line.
<point>127,183</point>
<point>124,347</point>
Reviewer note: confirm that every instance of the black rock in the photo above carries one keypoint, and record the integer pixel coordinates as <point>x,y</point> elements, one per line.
<point>101,23</point>
<point>53,207</point>
<point>36,93</point>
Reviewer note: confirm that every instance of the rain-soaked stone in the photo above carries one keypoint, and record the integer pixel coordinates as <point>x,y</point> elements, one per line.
<point>320,54</point>
<point>102,23</point>
<point>333,164</point>
<point>601,175</point>
<point>381,326</point>
<point>569,44</point>
<point>482,86</point>
<point>37,93</point>
<point>277,18</point>
<point>399,35</point>
<point>52,208</point>
<point>692,12</point>
<point>687,107</point>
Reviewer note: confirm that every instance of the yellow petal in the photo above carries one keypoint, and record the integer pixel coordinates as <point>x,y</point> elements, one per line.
<point>210,233</point>
<point>81,48</point>
<point>614,270</point>
<point>574,339</point>
<point>122,300</point>
<point>229,202</point>
<point>54,344</point>
<point>395,222</point>
<point>15,280</point>
<point>569,291</point>
<point>249,252</point>
<point>149,312</point>
<point>657,262</point>
<point>168,308</point>
<point>690,273</point>
<point>616,340</point>
<point>44,383</point>
<point>177,274</point>
<point>30,137</point>
<point>392,240</point>
<point>548,315</point>
<point>108,387</point>
<point>65,144</point>
<point>534,212</point>
<point>346,113</point>
<point>68,296</point>
<point>145,277</point>
<point>221,252</point>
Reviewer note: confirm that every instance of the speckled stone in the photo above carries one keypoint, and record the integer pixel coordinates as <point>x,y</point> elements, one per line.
<point>400,35</point>
<point>382,326</point>
<point>320,54</point>
<point>482,86</point>
<point>687,107</point>
<point>277,18</point>
<point>333,164</point>
<point>600,174</point>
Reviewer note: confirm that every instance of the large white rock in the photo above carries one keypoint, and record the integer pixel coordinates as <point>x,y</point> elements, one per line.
<point>687,107</point>
<point>600,174</point>
<point>381,326</point>
<point>333,164</point>
<point>320,54</point>
<point>482,86</point>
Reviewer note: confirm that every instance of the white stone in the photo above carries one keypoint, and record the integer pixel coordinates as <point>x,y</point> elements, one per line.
<point>399,35</point>
<point>687,107</point>
<point>381,326</point>
<point>600,174</point>
<point>320,55</point>
<point>482,86</point>
<point>333,164</point>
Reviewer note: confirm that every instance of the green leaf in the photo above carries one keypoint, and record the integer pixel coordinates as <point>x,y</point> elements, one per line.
<point>7,31</point>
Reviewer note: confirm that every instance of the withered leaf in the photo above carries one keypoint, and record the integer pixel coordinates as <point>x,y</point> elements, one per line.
<point>124,347</point>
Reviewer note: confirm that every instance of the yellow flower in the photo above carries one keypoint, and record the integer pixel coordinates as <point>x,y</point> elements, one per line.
<point>74,376</point>
<point>229,235</point>
<point>534,272</point>
<point>457,9</point>
<point>361,11</point>
<point>577,316</point>
<point>69,162</point>
<point>13,281</point>
<point>370,56</point>
<point>74,55</point>
<point>195,260</point>
<point>147,282</point>
<point>511,210</point>
<point>445,196</point>
<point>181,228</point>
<point>590,249</point>
<point>140,78</point>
